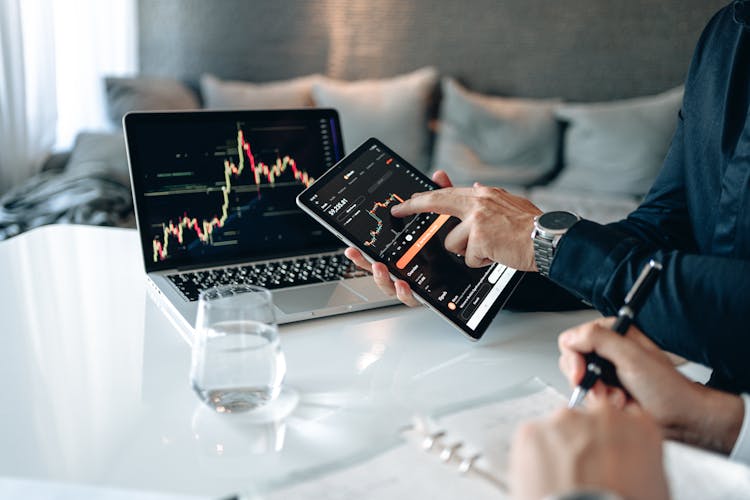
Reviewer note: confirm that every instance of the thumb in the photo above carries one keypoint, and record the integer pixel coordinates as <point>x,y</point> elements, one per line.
<point>623,352</point>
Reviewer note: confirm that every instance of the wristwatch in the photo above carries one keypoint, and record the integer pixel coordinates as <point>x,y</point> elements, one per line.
<point>548,229</point>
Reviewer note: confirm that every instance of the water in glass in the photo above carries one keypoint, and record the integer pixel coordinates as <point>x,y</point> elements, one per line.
<point>238,364</point>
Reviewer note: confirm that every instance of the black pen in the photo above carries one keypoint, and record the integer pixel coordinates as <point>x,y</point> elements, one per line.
<point>598,367</point>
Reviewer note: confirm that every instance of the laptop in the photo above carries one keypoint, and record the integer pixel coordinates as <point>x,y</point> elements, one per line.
<point>214,195</point>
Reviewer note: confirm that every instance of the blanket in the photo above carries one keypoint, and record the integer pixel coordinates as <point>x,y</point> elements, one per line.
<point>65,198</point>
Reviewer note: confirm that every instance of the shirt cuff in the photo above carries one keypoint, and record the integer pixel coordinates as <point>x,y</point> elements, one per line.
<point>741,450</point>
<point>596,249</point>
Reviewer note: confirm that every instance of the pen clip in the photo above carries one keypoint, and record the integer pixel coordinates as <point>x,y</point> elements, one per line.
<point>649,272</point>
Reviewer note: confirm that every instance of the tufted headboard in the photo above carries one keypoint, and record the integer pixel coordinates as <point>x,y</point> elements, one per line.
<point>580,50</point>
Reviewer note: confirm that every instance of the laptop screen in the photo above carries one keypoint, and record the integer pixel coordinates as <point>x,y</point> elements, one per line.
<point>216,187</point>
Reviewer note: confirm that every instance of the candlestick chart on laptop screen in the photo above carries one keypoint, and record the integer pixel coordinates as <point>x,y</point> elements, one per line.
<point>220,186</point>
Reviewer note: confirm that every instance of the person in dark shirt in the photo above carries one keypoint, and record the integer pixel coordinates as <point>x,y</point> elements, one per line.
<point>695,220</point>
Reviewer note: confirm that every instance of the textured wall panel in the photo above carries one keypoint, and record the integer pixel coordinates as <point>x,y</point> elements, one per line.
<point>576,49</point>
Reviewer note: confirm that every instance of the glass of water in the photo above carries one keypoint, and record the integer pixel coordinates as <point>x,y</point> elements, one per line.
<point>237,361</point>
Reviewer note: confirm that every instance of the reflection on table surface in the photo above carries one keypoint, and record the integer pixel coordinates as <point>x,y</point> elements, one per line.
<point>96,384</point>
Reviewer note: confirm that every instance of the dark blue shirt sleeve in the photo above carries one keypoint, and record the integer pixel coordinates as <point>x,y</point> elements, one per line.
<point>698,306</point>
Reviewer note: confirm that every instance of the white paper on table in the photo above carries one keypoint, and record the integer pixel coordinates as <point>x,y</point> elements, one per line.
<point>408,471</point>
<point>489,429</point>
<point>488,426</point>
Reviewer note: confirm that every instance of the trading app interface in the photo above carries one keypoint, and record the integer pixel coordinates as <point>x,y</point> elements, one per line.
<point>358,202</point>
<point>221,187</point>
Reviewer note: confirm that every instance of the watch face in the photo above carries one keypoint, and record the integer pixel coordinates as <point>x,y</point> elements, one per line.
<point>557,221</point>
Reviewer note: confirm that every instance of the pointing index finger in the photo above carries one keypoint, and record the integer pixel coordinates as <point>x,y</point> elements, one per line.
<point>449,201</point>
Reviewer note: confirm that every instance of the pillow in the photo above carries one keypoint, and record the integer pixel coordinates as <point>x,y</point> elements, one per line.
<point>495,140</point>
<point>226,94</point>
<point>598,207</point>
<point>146,94</point>
<point>394,110</point>
<point>100,153</point>
<point>619,146</point>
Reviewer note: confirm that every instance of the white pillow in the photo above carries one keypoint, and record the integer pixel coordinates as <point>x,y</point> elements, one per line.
<point>619,146</point>
<point>598,207</point>
<point>495,140</point>
<point>393,110</point>
<point>125,94</point>
<point>233,94</point>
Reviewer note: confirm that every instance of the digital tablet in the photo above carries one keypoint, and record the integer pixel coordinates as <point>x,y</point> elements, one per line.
<point>353,200</point>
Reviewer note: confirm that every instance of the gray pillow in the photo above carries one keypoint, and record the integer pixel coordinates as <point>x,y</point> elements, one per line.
<point>619,146</point>
<point>228,94</point>
<point>102,154</point>
<point>146,94</point>
<point>393,109</point>
<point>495,140</point>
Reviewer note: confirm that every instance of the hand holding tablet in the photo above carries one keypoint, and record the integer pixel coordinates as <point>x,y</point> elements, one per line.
<point>398,287</point>
<point>354,200</point>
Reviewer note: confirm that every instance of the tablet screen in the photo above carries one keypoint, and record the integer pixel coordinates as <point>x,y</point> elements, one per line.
<point>354,199</point>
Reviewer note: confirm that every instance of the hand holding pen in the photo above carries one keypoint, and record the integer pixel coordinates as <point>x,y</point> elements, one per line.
<point>598,367</point>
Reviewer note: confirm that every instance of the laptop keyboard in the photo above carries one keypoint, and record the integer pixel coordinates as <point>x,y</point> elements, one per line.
<point>271,275</point>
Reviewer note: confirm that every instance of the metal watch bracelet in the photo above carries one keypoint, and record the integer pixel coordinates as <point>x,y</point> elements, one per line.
<point>543,253</point>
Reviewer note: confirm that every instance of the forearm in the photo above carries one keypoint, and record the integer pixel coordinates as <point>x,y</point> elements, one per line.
<point>697,308</point>
<point>713,421</point>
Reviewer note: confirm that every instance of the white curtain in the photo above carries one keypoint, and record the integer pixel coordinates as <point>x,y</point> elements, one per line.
<point>53,55</point>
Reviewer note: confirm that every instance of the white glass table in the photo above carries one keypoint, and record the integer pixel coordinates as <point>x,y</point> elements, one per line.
<point>95,390</point>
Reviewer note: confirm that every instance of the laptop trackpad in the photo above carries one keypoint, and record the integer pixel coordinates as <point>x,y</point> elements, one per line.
<point>315,297</point>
